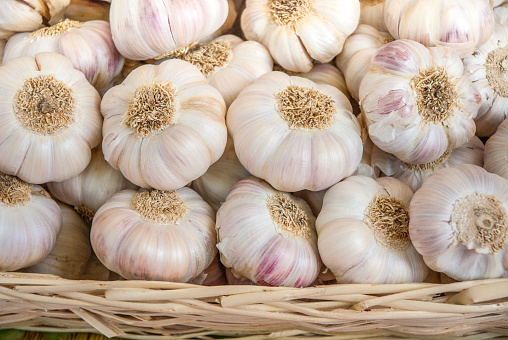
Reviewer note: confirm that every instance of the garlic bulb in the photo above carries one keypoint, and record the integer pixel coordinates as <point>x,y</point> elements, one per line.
<point>216,182</point>
<point>363,232</point>
<point>294,133</point>
<point>371,13</point>
<point>226,26</point>
<point>495,155</point>
<point>460,24</point>
<point>87,45</point>
<point>50,118</point>
<point>29,15</point>
<point>30,222</point>
<point>459,222</point>
<point>91,188</point>
<point>415,174</point>
<point>267,236</point>
<point>155,235</point>
<point>488,70</point>
<point>299,32</point>
<point>355,57</point>
<point>417,101</point>
<point>161,28</point>
<point>365,168</point>
<point>164,125</point>
<point>230,64</point>
<point>72,249</point>
<point>87,10</point>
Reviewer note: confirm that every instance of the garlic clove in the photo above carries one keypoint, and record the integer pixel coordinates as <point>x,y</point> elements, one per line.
<point>371,13</point>
<point>288,50</point>
<point>226,26</point>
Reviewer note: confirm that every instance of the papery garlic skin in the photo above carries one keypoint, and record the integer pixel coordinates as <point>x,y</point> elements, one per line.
<point>363,232</point>
<point>230,64</point>
<point>501,13</point>
<point>164,125</point>
<point>496,156</point>
<point>91,188</point>
<point>157,28</point>
<point>155,235</point>
<point>87,10</point>
<point>30,222</point>
<point>216,182</point>
<point>226,26</point>
<point>72,249</point>
<point>95,270</point>
<point>459,24</point>
<point>284,144</point>
<point>487,68</point>
<point>298,32</point>
<point>267,236</point>
<point>371,13</point>
<point>44,139</point>
<point>498,2</point>
<point>354,59</point>
<point>458,222</point>
<point>415,174</point>
<point>28,15</point>
<point>417,101</point>
<point>88,45</point>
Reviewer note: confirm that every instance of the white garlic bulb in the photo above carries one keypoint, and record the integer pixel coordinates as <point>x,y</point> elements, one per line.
<point>230,64</point>
<point>496,155</point>
<point>363,234</point>
<point>226,26</point>
<point>294,133</point>
<point>29,15</point>
<point>164,125</point>
<point>216,182</point>
<point>88,45</point>
<point>145,29</point>
<point>417,101</point>
<point>371,13</point>
<point>91,188</point>
<point>50,118</point>
<point>72,249</point>
<point>459,24</point>
<point>299,32</point>
<point>155,235</point>
<point>30,222</point>
<point>459,222</point>
<point>267,236</point>
<point>87,10</point>
<point>488,70</point>
<point>415,174</point>
<point>359,48</point>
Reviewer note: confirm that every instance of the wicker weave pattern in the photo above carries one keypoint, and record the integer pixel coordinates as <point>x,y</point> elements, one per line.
<point>150,310</point>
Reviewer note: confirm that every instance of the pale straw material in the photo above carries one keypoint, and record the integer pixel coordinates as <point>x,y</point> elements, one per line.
<point>163,310</point>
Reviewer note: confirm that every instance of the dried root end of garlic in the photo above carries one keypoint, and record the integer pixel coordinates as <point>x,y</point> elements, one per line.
<point>210,57</point>
<point>13,191</point>
<point>162,207</point>
<point>290,219</point>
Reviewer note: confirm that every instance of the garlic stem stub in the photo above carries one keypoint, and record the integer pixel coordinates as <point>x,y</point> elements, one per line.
<point>72,249</point>
<point>91,188</point>
<point>88,45</point>
<point>294,133</point>
<point>417,101</point>
<point>29,15</point>
<point>155,234</point>
<point>164,125</point>
<point>462,25</point>
<point>146,29</point>
<point>298,32</point>
<point>267,236</point>
<point>459,222</point>
<point>363,234</point>
<point>50,118</point>
<point>488,70</point>
<point>30,222</point>
<point>230,64</point>
<point>415,174</point>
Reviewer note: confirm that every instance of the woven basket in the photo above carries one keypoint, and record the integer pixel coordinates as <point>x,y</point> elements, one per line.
<point>158,310</point>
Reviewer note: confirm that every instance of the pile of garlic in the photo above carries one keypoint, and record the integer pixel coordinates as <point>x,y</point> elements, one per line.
<point>272,142</point>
